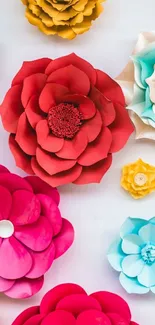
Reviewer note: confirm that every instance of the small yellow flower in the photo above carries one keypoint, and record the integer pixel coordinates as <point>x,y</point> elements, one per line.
<point>66,18</point>
<point>138,179</point>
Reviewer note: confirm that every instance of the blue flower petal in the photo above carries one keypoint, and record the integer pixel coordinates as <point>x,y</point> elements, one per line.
<point>152,220</point>
<point>131,285</point>
<point>132,244</point>
<point>147,233</point>
<point>132,226</point>
<point>132,265</point>
<point>153,289</point>
<point>147,276</point>
<point>115,255</point>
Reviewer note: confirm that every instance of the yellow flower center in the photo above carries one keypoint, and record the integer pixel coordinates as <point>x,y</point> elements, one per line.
<point>140,179</point>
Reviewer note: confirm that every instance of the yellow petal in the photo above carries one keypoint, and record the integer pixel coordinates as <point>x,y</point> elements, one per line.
<point>77,19</point>
<point>80,5</point>
<point>97,11</point>
<point>89,8</point>
<point>35,10</point>
<point>83,27</point>
<point>60,22</point>
<point>25,2</point>
<point>48,21</point>
<point>37,22</point>
<point>33,2</point>
<point>66,32</point>
<point>47,8</point>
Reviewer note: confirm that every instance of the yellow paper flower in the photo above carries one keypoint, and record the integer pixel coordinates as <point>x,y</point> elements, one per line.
<point>66,18</point>
<point>138,179</point>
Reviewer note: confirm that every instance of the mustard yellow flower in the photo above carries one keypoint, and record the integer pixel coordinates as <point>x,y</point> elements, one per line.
<point>66,18</point>
<point>138,179</point>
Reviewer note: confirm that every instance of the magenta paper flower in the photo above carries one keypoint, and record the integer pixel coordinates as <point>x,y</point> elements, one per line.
<point>32,233</point>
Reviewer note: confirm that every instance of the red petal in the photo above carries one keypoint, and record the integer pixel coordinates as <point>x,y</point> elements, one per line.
<point>73,78</point>
<point>25,315</point>
<point>6,284</point>
<point>33,112</point>
<point>96,150</point>
<point>66,177</point>
<point>121,129</point>
<point>32,85</point>
<point>25,136</point>
<point>133,323</point>
<point>58,317</point>
<point>51,95</point>
<point>94,173</point>
<point>14,182</point>
<point>5,203</point>
<point>109,88</point>
<point>76,61</point>
<point>93,127</point>
<point>64,239</point>
<point>22,160</point>
<point>46,140</point>
<point>93,317</point>
<point>25,288</point>
<point>117,319</point>
<point>72,149</point>
<point>51,163</point>
<point>86,106</point>
<point>31,67</point>
<point>112,303</point>
<point>35,320</point>
<point>52,297</point>
<point>11,109</point>
<point>78,303</point>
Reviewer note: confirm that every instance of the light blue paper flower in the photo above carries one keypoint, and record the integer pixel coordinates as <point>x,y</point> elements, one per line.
<point>133,255</point>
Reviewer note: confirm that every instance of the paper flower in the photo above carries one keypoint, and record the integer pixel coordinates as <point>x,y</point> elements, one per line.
<point>66,18</point>
<point>133,254</point>
<point>69,304</point>
<point>32,233</point>
<point>138,83</point>
<point>138,179</point>
<point>66,119</point>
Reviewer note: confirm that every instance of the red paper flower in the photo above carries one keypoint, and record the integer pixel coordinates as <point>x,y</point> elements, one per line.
<point>69,304</point>
<point>32,233</point>
<point>66,119</point>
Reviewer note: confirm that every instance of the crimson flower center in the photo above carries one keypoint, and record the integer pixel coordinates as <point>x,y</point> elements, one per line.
<point>6,228</point>
<point>64,120</point>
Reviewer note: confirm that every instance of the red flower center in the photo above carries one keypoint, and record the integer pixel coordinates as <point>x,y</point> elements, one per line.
<point>64,120</point>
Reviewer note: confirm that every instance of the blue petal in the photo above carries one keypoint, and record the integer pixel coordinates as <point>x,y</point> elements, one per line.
<point>153,289</point>
<point>115,255</point>
<point>147,276</point>
<point>152,220</point>
<point>147,233</point>
<point>132,265</point>
<point>132,226</point>
<point>131,285</point>
<point>132,244</point>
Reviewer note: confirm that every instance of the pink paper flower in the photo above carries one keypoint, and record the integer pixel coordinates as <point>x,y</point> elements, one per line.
<point>32,233</point>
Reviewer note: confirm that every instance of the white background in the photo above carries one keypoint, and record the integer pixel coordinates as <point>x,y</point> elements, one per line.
<point>96,211</point>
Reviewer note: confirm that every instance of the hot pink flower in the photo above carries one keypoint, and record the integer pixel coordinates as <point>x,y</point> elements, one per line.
<point>32,233</point>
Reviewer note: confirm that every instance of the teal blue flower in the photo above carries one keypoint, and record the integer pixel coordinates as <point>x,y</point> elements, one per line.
<point>133,255</point>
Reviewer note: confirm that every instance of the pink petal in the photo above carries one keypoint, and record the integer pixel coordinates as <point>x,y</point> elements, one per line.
<point>86,106</point>
<point>35,320</point>
<point>77,303</point>
<point>25,288</point>
<point>59,317</point>
<point>50,210</point>
<point>5,284</point>
<point>14,182</point>
<point>14,254</point>
<point>72,149</point>
<point>51,95</point>
<point>46,140</point>
<point>58,179</point>
<point>93,317</point>
<point>32,85</point>
<point>36,236</point>
<point>96,150</point>
<point>64,239</point>
<point>25,136</point>
<point>52,297</point>
<point>93,127</point>
<point>11,109</point>
<point>31,67</point>
<point>40,187</point>
<point>42,261</point>
<point>133,323</point>
<point>25,315</point>
<point>3,169</point>
<point>51,163</point>
<point>117,319</point>
<point>25,208</point>
<point>5,202</point>
<point>33,112</point>
<point>94,173</point>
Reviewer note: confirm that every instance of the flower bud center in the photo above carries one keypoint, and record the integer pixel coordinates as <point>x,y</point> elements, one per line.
<point>140,179</point>
<point>6,228</point>
<point>148,254</point>
<point>64,120</point>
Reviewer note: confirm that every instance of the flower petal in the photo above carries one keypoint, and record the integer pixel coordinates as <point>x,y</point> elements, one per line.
<point>132,226</point>
<point>25,136</point>
<point>36,236</point>
<point>147,276</point>
<point>60,317</point>
<point>6,284</point>
<point>32,85</point>
<point>64,239</point>
<point>86,106</point>
<point>132,244</point>
<point>57,179</point>
<point>35,320</point>
<point>72,149</point>
<point>147,233</point>
<point>51,163</point>
<point>25,208</point>
<point>115,255</point>
<point>3,169</point>
<point>33,112</point>
<point>75,61</point>
<point>71,77</point>
<point>94,173</point>
<point>31,67</point>
<point>13,253</point>
<point>116,319</point>
<point>96,150</point>
<point>46,140</point>
<point>5,203</point>
<point>52,297</point>
<point>93,317</point>
<point>25,288</point>
<point>93,127</point>
<point>11,108</point>
<point>131,285</point>
<point>132,265</point>
<point>25,315</point>
<point>14,182</point>
<point>51,94</point>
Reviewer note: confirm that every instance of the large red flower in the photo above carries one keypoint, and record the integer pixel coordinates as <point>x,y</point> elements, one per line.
<point>66,119</point>
<point>69,304</point>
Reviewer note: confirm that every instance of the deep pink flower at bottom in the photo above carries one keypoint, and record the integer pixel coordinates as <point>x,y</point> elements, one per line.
<point>69,304</point>
<point>32,233</point>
